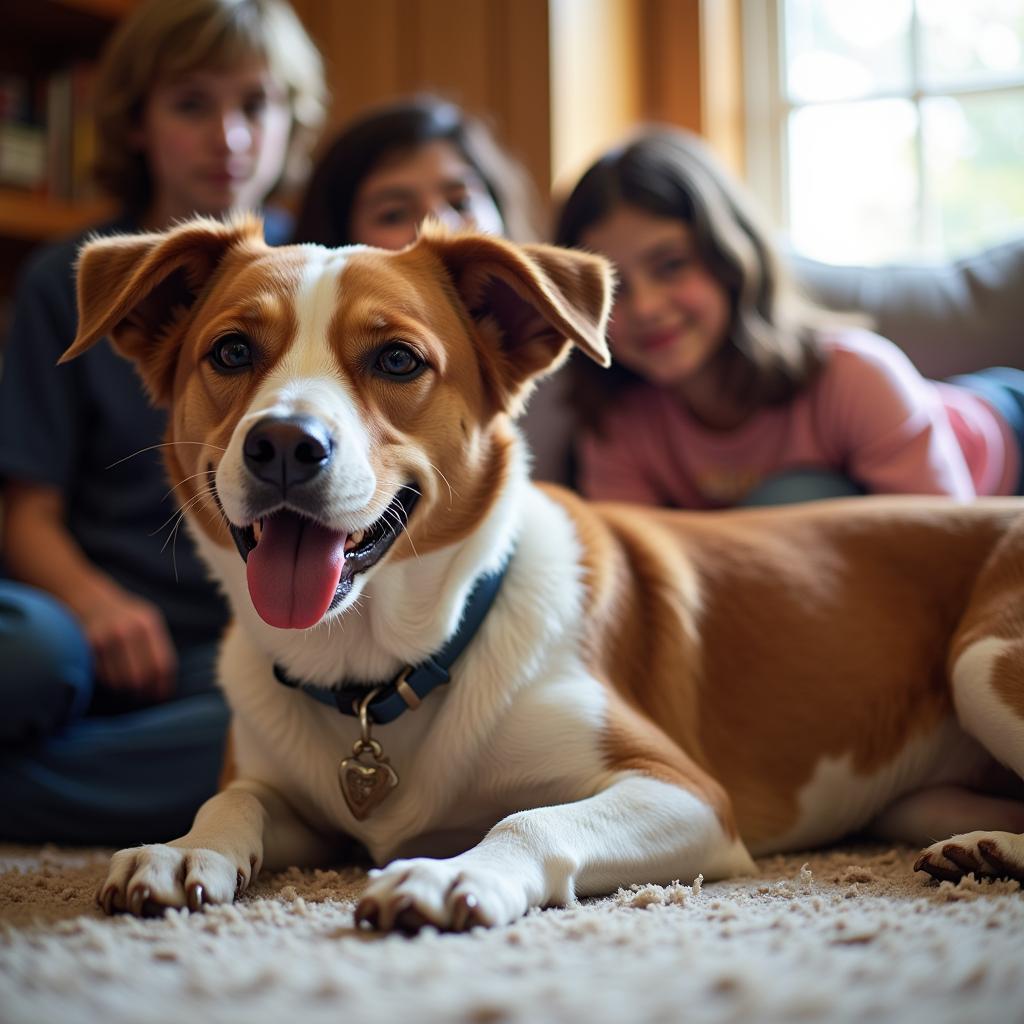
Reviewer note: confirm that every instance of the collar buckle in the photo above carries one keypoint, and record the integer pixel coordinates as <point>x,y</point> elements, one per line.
<point>409,688</point>
<point>405,691</point>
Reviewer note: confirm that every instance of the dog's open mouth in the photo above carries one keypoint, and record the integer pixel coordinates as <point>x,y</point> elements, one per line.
<point>297,568</point>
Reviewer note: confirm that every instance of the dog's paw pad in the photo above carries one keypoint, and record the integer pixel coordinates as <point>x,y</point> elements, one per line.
<point>982,854</point>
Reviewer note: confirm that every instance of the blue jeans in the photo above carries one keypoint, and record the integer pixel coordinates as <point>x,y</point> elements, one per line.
<point>802,485</point>
<point>1003,388</point>
<point>70,775</point>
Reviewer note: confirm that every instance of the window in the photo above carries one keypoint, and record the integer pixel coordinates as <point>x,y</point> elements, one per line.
<point>881,130</point>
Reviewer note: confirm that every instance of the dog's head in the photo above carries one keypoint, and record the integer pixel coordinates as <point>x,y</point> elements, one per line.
<point>329,408</point>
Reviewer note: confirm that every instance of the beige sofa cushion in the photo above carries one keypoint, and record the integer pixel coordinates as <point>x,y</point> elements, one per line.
<point>949,318</point>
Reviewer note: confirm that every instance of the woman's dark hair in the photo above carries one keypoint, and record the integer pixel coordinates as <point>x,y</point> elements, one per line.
<point>361,147</point>
<point>770,353</point>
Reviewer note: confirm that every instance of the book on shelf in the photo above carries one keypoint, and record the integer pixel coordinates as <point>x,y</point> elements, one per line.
<point>47,138</point>
<point>22,140</point>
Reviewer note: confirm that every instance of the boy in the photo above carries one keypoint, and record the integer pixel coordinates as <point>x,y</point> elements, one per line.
<point>113,730</point>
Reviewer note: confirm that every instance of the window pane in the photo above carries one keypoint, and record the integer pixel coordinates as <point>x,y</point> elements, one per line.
<point>971,43</point>
<point>852,182</point>
<point>974,169</point>
<point>846,49</point>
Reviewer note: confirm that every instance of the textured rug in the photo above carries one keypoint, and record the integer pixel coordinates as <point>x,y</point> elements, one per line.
<point>843,935</point>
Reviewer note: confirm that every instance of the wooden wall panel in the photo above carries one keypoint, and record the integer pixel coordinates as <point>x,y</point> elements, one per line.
<point>452,48</point>
<point>596,88</point>
<point>491,56</point>
<point>693,71</point>
<point>671,35</point>
<point>558,79</point>
<point>362,55</point>
<point>521,84</point>
<point>723,115</point>
<point>361,47</point>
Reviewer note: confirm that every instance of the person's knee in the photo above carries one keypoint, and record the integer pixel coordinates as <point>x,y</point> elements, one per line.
<point>46,669</point>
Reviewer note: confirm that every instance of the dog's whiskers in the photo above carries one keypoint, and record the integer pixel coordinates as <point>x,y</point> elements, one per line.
<point>181,509</point>
<point>164,444</point>
<point>402,522</point>
<point>194,476</point>
<point>172,537</point>
<point>179,519</point>
<point>199,499</point>
<point>451,492</point>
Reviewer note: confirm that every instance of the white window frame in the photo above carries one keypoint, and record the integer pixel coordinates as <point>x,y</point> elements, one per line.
<point>768,110</point>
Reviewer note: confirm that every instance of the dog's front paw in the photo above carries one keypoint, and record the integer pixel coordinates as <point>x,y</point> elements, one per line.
<point>983,854</point>
<point>410,894</point>
<point>147,880</point>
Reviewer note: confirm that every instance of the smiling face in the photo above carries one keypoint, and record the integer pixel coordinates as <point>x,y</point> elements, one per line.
<point>333,410</point>
<point>326,394</point>
<point>429,180</point>
<point>671,315</point>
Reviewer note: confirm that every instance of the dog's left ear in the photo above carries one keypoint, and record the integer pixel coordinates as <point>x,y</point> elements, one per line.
<point>141,290</point>
<point>535,300</point>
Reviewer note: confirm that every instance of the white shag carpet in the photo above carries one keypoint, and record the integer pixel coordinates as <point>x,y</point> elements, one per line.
<point>843,935</point>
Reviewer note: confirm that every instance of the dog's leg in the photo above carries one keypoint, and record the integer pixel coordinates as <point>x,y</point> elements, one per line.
<point>988,692</point>
<point>638,829</point>
<point>938,811</point>
<point>233,835</point>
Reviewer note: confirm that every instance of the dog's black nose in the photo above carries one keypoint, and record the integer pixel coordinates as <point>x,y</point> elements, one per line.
<point>286,450</point>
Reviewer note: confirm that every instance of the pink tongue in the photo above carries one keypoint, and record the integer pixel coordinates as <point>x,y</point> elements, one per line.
<point>294,570</point>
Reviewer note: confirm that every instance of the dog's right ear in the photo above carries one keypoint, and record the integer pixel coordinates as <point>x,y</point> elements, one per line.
<point>140,291</point>
<point>530,303</point>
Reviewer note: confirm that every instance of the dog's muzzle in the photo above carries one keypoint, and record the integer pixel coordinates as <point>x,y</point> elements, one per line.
<point>298,566</point>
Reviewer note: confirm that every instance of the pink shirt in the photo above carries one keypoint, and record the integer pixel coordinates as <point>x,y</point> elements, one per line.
<point>869,414</point>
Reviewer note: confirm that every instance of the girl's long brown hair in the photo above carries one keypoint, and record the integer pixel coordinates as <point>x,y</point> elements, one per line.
<point>770,353</point>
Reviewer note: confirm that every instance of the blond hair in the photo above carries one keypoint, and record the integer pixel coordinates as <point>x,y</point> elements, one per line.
<point>165,39</point>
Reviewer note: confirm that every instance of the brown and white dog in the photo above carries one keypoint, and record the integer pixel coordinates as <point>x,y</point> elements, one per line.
<point>652,694</point>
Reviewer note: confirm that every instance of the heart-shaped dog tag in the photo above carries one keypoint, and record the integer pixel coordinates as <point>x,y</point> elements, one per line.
<point>367,779</point>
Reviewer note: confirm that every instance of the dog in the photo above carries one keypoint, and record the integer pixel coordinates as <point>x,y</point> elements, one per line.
<point>510,697</point>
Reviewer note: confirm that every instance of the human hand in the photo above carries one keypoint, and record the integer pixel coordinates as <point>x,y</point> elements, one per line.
<point>131,643</point>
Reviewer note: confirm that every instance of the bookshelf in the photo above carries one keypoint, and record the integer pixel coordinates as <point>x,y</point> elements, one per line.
<point>47,46</point>
<point>30,218</point>
<point>45,141</point>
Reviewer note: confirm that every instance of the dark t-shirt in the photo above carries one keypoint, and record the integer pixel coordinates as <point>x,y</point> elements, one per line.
<point>85,428</point>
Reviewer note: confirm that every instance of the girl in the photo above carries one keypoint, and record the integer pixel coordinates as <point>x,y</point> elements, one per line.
<point>202,106</point>
<point>728,390</point>
<point>397,164</point>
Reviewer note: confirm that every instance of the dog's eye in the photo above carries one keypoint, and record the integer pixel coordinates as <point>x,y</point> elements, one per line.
<point>231,352</point>
<point>398,361</point>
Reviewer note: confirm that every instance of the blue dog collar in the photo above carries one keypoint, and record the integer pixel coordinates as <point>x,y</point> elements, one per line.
<point>415,682</point>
